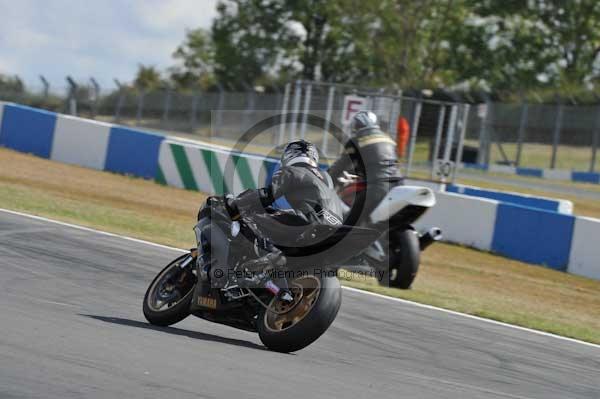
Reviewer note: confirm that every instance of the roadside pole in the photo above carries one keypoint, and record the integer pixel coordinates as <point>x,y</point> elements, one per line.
<point>521,134</point>
<point>450,135</point>
<point>438,138</point>
<point>194,117</point>
<point>284,110</point>
<point>461,139</point>
<point>330,97</point>
<point>307,99</point>
<point>166,107</point>
<point>296,109</point>
<point>140,107</point>
<point>556,136</point>
<point>221,104</point>
<point>595,142</point>
<point>413,137</point>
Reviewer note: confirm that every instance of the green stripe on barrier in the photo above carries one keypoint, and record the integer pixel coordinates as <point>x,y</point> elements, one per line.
<point>183,166</point>
<point>243,170</point>
<point>214,170</point>
<point>160,176</point>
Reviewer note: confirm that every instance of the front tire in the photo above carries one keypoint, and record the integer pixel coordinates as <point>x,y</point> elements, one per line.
<point>167,300</point>
<point>306,320</point>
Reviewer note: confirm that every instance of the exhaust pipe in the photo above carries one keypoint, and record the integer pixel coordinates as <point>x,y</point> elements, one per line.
<point>426,239</point>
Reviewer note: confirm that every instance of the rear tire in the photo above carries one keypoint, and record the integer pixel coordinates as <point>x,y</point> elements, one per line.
<point>318,319</point>
<point>172,314</point>
<point>404,259</point>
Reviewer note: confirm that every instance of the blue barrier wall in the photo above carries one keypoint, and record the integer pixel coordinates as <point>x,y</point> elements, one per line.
<point>512,198</point>
<point>27,130</point>
<point>533,236</point>
<point>132,152</point>
<point>585,177</point>
<point>555,174</point>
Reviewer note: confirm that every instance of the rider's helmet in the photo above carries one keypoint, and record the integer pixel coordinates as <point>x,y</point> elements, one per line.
<point>362,121</point>
<point>300,151</point>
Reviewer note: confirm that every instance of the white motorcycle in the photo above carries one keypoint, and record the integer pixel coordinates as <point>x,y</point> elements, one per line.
<point>396,255</point>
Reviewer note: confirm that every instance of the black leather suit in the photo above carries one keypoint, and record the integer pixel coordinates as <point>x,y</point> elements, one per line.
<point>371,154</point>
<point>308,190</point>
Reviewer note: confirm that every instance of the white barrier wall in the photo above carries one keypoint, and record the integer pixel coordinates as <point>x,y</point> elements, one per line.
<point>466,220</point>
<point>584,258</point>
<point>79,142</point>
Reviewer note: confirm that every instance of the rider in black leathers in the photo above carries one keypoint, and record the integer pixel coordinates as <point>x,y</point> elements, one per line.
<point>309,191</point>
<point>371,154</point>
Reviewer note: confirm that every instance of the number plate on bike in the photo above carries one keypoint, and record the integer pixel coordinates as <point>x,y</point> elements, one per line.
<point>207,302</point>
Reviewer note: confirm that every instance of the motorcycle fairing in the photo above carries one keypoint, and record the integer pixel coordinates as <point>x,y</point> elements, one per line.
<point>400,197</point>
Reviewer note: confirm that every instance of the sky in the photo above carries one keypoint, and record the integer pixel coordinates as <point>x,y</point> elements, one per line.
<point>104,39</point>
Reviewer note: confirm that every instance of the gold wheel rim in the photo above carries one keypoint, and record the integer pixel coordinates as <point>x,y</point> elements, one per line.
<point>280,316</point>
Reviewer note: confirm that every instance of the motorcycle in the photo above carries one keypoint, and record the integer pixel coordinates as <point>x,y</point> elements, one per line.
<point>207,281</point>
<point>396,254</point>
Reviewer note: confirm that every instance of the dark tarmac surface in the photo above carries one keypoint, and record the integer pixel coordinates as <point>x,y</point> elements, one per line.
<point>72,327</point>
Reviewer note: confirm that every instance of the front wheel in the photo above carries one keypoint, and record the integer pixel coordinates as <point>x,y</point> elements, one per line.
<point>168,298</point>
<point>404,257</point>
<point>291,327</point>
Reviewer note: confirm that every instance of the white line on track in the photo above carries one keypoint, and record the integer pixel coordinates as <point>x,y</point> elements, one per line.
<point>383,297</point>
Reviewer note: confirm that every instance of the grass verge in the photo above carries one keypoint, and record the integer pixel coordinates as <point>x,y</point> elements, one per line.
<point>451,276</point>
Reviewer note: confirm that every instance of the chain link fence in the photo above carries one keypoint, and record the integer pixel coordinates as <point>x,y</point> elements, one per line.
<point>524,135</point>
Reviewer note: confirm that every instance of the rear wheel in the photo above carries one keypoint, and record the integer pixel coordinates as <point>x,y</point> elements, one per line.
<point>291,327</point>
<point>168,298</point>
<point>404,257</point>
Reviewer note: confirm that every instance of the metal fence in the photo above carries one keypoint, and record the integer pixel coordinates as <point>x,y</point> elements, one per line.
<point>525,135</point>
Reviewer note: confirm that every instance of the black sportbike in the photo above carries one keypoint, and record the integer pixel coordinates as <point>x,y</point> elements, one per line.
<point>206,281</point>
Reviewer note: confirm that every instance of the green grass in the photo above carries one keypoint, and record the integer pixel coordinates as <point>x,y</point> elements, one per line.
<point>451,277</point>
<point>533,155</point>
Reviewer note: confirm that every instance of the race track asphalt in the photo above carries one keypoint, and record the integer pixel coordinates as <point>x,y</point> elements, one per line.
<point>71,326</point>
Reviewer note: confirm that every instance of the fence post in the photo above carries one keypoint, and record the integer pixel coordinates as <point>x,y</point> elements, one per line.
<point>461,139</point>
<point>556,139</point>
<point>120,101</point>
<point>396,110</point>
<point>329,111</point>
<point>438,137</point>
<point>220,105</point>
<point>595,140</point>
<point>96,99</point>
<point>166,107</point>
<point>450,135</point>
<point>193,116</point>
<point>521,134</point>
<point>284,110</point>
<point>413,136</point>
<point>72,98</point>
<point>296,108</point>
<point>140,107</point>
<point>307,98</point>
<point>483,156</point>
<point>250,100</point>
<point>46,84</point>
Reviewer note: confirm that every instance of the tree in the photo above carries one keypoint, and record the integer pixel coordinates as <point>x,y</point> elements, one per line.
<point>505,45</point>
<point>521,45</point>
<point>196,58</point>
<point>11,84</point>
<point>365,42</point>
<point>148,78</point>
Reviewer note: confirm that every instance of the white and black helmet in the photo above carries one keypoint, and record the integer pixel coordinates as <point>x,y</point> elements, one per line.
<point>300,151</point>
<point>363,120</point>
